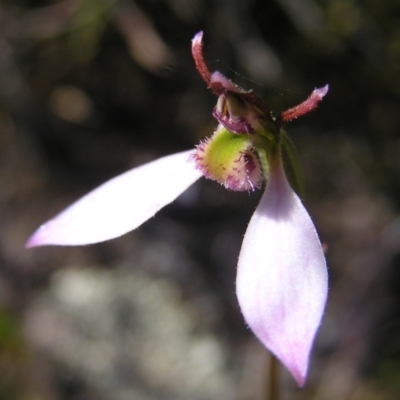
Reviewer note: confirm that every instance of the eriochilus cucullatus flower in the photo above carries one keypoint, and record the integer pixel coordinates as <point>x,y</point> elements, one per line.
<point>281,277</point>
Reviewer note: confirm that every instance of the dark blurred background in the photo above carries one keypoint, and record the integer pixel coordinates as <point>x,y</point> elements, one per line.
<point>92,88</point>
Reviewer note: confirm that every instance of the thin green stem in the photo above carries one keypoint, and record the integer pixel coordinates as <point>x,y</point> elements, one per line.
<point>291,164</point>
<point>263,159</point>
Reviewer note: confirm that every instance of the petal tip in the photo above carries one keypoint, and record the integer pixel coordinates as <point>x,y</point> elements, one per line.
<point>322,91</point>
<point>198,37</point>
<point>293,354</point>
<point>29,244</point>
<point>299,378</point>
<point>37,238</point>
<point>297,368</point>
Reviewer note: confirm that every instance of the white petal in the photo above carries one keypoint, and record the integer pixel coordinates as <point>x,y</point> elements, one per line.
<point>282,277</point>
<point>121,204</point>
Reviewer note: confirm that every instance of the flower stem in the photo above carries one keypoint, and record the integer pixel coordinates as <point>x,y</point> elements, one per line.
<point>273,391</point>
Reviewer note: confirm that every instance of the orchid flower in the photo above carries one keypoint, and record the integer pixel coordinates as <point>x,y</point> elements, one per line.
<point>282,275</point>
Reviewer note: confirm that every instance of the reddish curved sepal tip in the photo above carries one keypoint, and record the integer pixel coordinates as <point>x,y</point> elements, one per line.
<point>308,105</point>
<point>321,92</point>
<point>197,52</point>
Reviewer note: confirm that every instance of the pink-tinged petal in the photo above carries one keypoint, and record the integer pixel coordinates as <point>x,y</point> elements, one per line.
<point>282,278</point>
<point>121,204</point>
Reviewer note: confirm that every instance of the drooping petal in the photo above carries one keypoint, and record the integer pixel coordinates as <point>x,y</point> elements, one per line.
<point>121,204</point>
<point>282,276</point>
